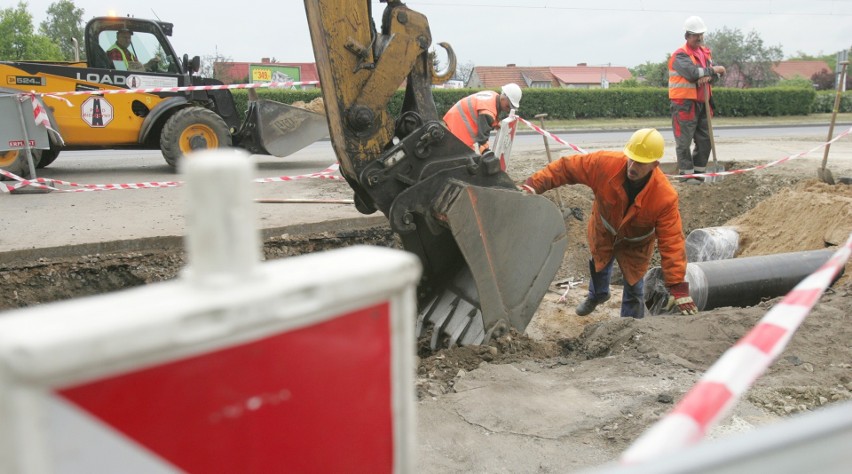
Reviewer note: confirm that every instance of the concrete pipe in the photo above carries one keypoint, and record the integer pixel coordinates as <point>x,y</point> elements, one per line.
<point>738,282</point>
<point>712,243</point>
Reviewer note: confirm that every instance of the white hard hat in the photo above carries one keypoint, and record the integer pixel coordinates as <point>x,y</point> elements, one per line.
<point>695,25</point>
<point>513,92</point>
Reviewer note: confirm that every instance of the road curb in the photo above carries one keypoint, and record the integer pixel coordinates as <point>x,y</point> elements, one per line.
<point>174,242</point>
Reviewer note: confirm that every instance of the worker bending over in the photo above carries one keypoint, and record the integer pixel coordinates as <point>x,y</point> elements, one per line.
<point>634,205</point>
<point>472,118</point>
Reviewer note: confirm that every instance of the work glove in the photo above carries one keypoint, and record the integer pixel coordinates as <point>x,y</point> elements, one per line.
<point>483,148</point>
<point>680,297</point>
<point>526,189</point>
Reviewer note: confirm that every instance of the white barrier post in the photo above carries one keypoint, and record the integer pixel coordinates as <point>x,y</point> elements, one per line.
<point>295,365</point>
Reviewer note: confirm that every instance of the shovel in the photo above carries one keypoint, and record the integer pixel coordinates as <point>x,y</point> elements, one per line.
<point>823,173</point>
<point>715,168</point>
<point>541,118</point>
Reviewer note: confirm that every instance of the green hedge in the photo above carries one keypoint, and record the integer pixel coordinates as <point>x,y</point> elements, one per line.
<point>561,104</point>
<point>824,102</point>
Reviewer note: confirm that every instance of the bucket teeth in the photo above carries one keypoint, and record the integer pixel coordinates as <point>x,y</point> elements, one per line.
<point>452,318</point>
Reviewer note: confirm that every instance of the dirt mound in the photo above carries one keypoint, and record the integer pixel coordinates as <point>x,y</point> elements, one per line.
<point>316,105</point>
<point>808,216</point>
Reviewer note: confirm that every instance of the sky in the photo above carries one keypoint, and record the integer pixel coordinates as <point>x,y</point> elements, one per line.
<point>499,32</point>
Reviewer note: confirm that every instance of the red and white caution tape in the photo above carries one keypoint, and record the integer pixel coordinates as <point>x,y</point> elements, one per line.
<point>48,184</point>
<point>154,90</point>
<point>552,136</point>
<point>728,379</point>
<point>324,174</point>
<point>763,166</point>
<point>700,175</point>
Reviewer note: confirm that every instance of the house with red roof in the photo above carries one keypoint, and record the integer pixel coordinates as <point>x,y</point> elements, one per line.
<point>581,76</point>
<point>801,69</point>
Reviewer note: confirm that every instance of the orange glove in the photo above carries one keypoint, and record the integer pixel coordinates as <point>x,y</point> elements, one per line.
<point>680,298</point>
<point>483,148</point>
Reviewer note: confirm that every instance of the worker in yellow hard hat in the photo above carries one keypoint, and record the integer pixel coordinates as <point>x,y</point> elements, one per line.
<point>635,205</point>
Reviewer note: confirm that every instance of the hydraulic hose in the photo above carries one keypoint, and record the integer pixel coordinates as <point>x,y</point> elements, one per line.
<point>738,282</point>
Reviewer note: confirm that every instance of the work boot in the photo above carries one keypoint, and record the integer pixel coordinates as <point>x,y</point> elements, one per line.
<point>694,181</point>
<point>589,304</point>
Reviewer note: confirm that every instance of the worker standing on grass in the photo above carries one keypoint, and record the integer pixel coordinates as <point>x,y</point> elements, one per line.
<point>691,70</point>
<point>472,118</point>
<point>634,203</point>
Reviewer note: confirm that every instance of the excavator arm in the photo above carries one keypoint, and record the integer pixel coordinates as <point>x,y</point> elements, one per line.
<point>458,211</point>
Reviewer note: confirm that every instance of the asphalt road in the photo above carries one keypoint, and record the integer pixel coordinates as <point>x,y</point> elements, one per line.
<point>32,222</point>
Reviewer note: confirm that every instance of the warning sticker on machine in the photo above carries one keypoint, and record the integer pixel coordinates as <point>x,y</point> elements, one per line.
<point>97,112</point>
<point>135,81</point>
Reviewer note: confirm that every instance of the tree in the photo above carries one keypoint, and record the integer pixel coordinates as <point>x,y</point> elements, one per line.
<point>64,23</point>
<point>652,74</point>
<point>747,61</point>
<point>463,71</point>
<point>208,65</point>
<point>17,40</point>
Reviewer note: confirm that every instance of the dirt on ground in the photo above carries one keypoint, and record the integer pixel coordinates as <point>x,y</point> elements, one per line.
<point>618,375</point>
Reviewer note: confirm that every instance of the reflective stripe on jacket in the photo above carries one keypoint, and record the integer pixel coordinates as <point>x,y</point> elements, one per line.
<point>114,57</point>
<point>615,230</point>
<point>462,118</point>
<point>681,87</point>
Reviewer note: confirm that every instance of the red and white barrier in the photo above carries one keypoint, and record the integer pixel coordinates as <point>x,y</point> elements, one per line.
<point>721,387</point>
<point>237,365</point>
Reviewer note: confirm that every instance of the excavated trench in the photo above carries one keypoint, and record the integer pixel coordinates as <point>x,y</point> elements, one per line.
<point>48,279</point>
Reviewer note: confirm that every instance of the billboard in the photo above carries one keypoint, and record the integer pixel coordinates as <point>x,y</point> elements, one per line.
<point>269,73</point>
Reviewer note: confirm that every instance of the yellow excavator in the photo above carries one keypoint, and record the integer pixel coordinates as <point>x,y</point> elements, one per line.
<point>489,252</point>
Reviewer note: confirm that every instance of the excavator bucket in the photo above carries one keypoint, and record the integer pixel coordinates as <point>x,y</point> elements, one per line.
<point>512,246</point>
<point>277,129</point>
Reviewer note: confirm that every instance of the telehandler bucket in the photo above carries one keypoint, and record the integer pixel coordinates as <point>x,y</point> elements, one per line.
<point>277,129</point>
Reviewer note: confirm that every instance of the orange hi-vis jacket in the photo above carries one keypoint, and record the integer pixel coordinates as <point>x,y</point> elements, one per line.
<point>462,118</point>
<point>679,86</point>
<point>615,230</point>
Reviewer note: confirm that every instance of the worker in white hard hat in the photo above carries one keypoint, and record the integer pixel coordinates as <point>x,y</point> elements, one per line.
<point>474,117</point>
<point>691,70</point>
<point>635,205</point>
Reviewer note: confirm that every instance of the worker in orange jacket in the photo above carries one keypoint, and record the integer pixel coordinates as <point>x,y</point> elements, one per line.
<point>635,204</point>
<point>472,118</point>
<point>691,69</point>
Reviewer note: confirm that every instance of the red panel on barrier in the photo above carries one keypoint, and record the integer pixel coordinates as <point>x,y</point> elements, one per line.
<point>315,399</point>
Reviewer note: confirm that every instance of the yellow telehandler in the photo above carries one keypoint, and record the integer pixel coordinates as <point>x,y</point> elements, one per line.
<point>174,122</point>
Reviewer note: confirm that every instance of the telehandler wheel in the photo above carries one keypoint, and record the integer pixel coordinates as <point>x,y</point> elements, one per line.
<point>15,161</point>
<point>48,157</point>
<point>193,128</point>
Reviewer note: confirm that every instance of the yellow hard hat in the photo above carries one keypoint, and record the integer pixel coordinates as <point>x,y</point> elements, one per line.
<point>645,146</point>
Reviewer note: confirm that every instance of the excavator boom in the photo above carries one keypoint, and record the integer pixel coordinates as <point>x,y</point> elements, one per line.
<point>457,210</point>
